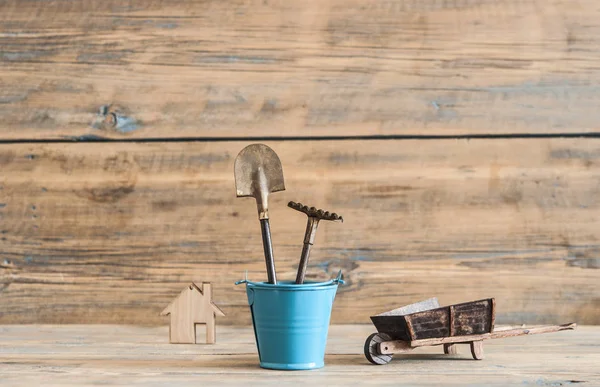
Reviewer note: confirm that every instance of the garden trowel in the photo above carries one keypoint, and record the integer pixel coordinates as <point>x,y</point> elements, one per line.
<point>258,172</point>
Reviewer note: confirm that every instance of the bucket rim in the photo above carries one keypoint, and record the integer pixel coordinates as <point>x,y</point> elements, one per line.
<point>291,285</point>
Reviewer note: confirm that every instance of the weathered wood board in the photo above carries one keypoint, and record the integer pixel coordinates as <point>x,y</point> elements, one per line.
<point>175,69</point>
<point>110,233</point>
<point>469,318</point>
<point>111,355</point>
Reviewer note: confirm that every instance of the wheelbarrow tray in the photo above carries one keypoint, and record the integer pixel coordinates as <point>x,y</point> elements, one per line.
<point>431,321</point>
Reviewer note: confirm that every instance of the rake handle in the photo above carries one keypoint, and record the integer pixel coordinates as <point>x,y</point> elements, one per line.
<point>309,238</point>
<point>303,265</point>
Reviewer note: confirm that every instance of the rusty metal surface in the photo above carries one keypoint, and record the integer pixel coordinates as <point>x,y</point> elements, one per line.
<point>258,172</point>
<point>313,212</point>
<point>314,216</point>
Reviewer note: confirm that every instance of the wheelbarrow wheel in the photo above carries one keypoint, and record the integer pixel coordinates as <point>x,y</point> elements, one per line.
<point>372,351</point>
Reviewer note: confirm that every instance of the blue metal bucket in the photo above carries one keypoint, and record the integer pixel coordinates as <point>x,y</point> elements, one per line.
<point>291,322</point>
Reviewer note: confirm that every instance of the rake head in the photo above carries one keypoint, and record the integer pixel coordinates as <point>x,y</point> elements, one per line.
<point>318,213</point>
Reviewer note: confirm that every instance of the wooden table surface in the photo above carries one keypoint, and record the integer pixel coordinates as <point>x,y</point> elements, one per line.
<point>140,356</point>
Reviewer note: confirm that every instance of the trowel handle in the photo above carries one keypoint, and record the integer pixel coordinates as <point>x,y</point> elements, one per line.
<point>268,247</point>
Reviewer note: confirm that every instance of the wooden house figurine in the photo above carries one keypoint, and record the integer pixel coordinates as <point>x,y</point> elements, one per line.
<point>193,306</point>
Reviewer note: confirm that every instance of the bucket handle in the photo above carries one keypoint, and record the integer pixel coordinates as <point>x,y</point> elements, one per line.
<point>248,290</point>
<point>338,279</point>
<point>244,281</point>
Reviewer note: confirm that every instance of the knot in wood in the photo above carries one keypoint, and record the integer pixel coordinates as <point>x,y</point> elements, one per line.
<point>110,120</point>
<point>110,115</point>
<point>114,118</point>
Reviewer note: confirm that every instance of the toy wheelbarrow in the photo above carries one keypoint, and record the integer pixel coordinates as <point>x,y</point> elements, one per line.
<point>426,324</point>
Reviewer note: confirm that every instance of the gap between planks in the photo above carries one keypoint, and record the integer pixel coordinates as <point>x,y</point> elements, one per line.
<point>100,139</point>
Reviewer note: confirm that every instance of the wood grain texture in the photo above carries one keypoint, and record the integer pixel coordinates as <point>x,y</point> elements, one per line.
<point>133,356</point>
<point>111,233</point>
<point>173,69</point>
<point>469,318</point>
<point>192,307</point>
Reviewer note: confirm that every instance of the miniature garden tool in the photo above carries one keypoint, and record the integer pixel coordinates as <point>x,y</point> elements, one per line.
<point>258,172</point>
<point>314,216</point>
<point>426,324</point>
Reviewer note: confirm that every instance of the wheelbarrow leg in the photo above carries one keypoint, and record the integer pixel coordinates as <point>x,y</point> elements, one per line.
<point>450,349</point>
<point>477,349</point>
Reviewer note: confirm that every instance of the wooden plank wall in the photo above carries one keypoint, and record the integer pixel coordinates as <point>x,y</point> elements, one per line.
<point>460,140</point>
